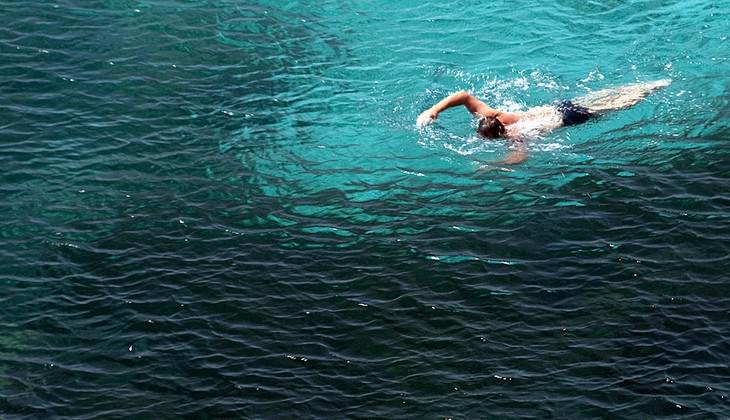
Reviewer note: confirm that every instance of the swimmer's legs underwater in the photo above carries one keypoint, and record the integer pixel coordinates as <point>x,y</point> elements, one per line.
<point>618,98</point>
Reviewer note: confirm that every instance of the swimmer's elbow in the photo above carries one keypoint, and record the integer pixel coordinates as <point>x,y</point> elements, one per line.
<point>514,160</point>
<point>461,97</point>
<point>516,156</point>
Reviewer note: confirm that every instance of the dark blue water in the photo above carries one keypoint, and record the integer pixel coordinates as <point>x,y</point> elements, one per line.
<point>217,209</point>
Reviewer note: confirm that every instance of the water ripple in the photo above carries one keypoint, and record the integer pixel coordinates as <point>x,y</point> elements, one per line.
<point>224,210</point>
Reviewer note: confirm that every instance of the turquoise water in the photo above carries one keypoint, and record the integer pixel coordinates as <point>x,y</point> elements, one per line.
<point>224,209</point>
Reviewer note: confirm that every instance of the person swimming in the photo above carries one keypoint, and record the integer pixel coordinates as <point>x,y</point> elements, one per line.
<point>541,120</point>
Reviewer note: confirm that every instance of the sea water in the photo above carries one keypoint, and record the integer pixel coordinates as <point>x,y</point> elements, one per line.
<point>224,209</point>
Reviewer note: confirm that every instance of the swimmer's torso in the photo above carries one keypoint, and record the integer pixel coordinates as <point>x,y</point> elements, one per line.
<point>535,122</point>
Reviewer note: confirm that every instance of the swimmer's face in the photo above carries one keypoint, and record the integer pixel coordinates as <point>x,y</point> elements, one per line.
<point>490,127</point>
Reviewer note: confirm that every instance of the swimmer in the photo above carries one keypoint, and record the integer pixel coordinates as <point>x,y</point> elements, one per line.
<point>539,121</point>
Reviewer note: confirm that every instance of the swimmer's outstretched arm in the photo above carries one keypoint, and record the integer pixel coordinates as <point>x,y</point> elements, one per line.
<point>474,105</point>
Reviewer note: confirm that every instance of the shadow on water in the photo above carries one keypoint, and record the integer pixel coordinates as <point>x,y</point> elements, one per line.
<point>112,140</point>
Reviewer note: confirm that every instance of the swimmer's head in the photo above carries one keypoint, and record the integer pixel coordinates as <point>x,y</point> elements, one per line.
<point>490,127</point>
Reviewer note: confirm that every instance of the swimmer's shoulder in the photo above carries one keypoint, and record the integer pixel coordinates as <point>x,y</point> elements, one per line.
<point>508,118</point>
<point>538,112</point>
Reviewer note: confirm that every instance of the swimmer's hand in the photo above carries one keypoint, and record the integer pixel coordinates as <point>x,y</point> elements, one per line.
<point>427,117</point>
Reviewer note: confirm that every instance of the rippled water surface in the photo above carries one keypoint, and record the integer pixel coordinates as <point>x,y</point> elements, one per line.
<point>223,208</point>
